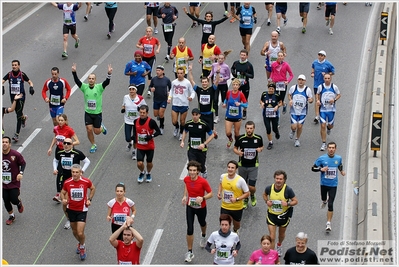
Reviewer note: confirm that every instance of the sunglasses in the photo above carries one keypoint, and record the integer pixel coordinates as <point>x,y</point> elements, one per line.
<point>67,143</point>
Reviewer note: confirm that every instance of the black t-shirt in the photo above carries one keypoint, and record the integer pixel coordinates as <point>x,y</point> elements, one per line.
<point>67,159</point>
<point>205,98</point>
<point>196,132</point>
<point>293,257</point>
<point>162,87</point>
<point>248,145</point>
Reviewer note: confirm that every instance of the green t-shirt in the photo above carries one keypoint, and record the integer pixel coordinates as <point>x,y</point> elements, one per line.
<point>93,98</point>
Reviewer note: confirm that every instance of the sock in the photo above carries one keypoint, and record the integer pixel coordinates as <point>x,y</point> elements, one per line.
<point>161,122</point>
<point>181,129</point>
<point>190,250</point>
<point>203,235</point>
<point>176,125</point>
<point>12,214</point>
<point>279,244</point>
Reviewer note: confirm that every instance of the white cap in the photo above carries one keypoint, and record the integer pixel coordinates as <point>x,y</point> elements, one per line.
<point>302,235</point>
<point>301,76</point>
<point>323,53</point>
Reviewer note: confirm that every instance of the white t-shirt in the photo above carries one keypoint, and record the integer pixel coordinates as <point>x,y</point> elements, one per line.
<point>224,247</point>
<point>132,108</point>
<point>180,92</point>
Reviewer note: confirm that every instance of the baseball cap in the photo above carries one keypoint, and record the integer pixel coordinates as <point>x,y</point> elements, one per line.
<point>271,85</point>
<point>301,76</point>
<point>138,52</point>
<point>323,53</point>
<point>160,67</point>
<point>195,110</point>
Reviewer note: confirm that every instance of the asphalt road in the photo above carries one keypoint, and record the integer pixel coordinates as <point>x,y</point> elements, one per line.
<point>38,237</point>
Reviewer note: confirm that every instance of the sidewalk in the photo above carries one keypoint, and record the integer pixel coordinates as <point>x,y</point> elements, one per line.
<point>13,11</point>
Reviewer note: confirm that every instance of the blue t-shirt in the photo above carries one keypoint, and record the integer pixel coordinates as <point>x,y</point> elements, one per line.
<point>318,67</point>
<point>140,68</point>
<point>330,177</point>
<point>246,16</point>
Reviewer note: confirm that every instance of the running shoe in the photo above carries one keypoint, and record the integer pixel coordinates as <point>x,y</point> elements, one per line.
<point>268,22</point>
<point>140,179</point>
<point>82,253</point>
<point>226,13</point>
<point>85,17</point>
<point>327,22</point>
<point>194,25</point>
<point>128,147</point>
<point>77,43</point>
<point>316,120</point>
<point>24,121</point>
<point>189,256</point>
<point>175,132</point>
<point>113,28</point>
<point>104,129</point>
<point>330,31</point>
<point>109,35</point>
<point>215,135</point>
<point>20,207</point>
<point>10,220</point>
<point>237,231</point>
<point>161,130</point>
<point>149,93</point>
<point>155,30</point>
<point>278,30</point>
<point>292,134</point>
<point>180,137</point>
<point>323,147</point>
<point>328,226</point>
<point>285,22</point>
<point>57,198</point>
<point>232,20</point>
<point>245,203</point>
<point>253,200</point>
<point>78,249</point>
<point>93,148</point>
<point>323,205</point>
<point>15,138</point>
<point>302,19</point>
<point>229,142</point>
<point>67,226</point>
<point>285,109</point>
<point>303,30</point>
<point>269,146</point>
<point>134,157</point>
<point>297,143</point>
<point>64,55</point>
<point>216,119</point>
<point>202,241</point>
<point>148,178</point>
<point>244,114</point>
<point>319,6</point>
<point>328,131</point>
<point>279,250</point>
<point>167,58</point>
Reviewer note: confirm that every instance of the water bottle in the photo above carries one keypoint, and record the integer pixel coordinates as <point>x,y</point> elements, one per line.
<point>260,260</point>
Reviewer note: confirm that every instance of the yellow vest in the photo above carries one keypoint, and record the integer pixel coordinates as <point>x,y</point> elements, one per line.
<point>277,208</point>
<point>180,59</point>
<point>207,61</point>
<point>229,189</point>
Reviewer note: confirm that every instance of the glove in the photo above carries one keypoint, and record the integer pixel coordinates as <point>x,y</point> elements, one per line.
<point>148,137</point>
<point>123,110</point>
<point>31,91</point>
<point>255,20</point>
<point>4,90</point>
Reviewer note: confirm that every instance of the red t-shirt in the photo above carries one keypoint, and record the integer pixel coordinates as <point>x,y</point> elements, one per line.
<point>196,189</point>
<point>61,133</point>
<point>120,211</point>
<point>149,46</point>
<point>141,132</point>
<point>128,254</point>
<point>77,193</point>
<point>216,51</point>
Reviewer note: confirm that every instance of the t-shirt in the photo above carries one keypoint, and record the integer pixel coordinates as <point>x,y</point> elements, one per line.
<point>197,188</point>
<point>224,247</point>
<point>93,98</point>
<point>248,145</point>
<point>128,254</point>
<point>259,256</point>
<point>66,160</point>
<point>162,87</point>
<point>77,193</point>
<point>11,163</point>
<point>61,133</point>
<point>119,211</point>
<point>292,257</point>
<point>180,92</point>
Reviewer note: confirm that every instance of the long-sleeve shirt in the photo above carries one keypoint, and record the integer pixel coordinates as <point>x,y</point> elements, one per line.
<point>279,72</point>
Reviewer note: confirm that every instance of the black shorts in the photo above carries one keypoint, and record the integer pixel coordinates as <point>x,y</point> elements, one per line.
<point>330,10</point>
<point>208,119</point>
<point>245,31</point>
<point>67,28</point>
<point>148,153</point>
<point>232,119</point>
<point>235,214</point>
<point>281,220</point>
<point>76,216</point>
<point>93,119</point>
<point>152,10</point>
<point>195,4</point>
<point>151,62</point>
<point>304,7</point>
<point>236,4</point>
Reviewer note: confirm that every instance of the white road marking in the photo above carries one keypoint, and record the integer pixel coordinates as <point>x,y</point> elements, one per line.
<point>29,139</point>
<point>152,248</point>
<point>24,17</point>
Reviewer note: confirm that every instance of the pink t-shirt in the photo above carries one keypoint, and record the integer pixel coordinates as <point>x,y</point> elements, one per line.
<point>269,258</point>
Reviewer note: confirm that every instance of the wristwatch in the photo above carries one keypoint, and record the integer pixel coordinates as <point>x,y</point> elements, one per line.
<point>21,172</point>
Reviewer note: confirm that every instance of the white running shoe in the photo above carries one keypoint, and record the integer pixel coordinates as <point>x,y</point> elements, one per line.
<point>128,147</point>
<point>323,147</point>
<point>297,143</point>
<point>175,132</point>
<point>67,225</point>
<point>323,205</point>
<point>134,157</point>
<point>189,256</point>
<point>330,31</point>
<point>148,93</point>
<point>292,134</point>
<point>180,137</point>
<point>202,241</point>
<point>279,250</point>
<point>216,120</point>
<point>328,226</point>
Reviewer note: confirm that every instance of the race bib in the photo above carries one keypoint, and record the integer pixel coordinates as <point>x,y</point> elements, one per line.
<point>249,153</point>
<point>270,113</point>
<point>205,99</point>
<point>132,114</point>
<point>55,100</point>
<point>141,139</point>
<point>195,142</point>
<point>7,177</point>
<point>233,111</point>
<point>181,62</point>
<point>15,89</point>
<point>60,139</point>
<point>91,104</point>
<point>66,163</point>
<point>207,28</point>
<point>277,206</point>
<point>119,218</point>
<point>148,48</point>
<point>192,203</point>
<point>207,62</point>
<point>247,20</point>
<point>168,27</point>
<point>77,194</point>
<point>227,195</point>
<point>223,253</point>
<point>331,173</point>
<point>280,86</point>
<point>125,263</point>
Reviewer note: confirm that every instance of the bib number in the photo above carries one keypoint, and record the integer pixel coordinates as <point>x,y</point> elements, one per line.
<point>280,86</point>
<point>195,142</point>
<point>6,177</point>
<point>91,104</point>
<point>227,195</point>
<point>15,89</point>
<point>192,202</point>
<point>55,100</point>
<point>233,111</point>
<point>77,194</point>
<point>249,153</point>
<point>168,27</point>
<point>277,206</point>
<point>66,163</point>
<point>270,113</point>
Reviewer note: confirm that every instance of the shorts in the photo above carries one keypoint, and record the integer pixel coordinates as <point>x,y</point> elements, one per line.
<point>250,174</point>
<point>281,8</point>
<point>141,153</point>
<point>304,7</point>
<point>76,216</point>
<point>140,88</point>
<point>151,62</point>
<point>281,220</point>
<point>235,214</point>
<point>330,10</point>
<point>196,4</point>
<point>245,31</point>
<point>180,109</point>
<point>93,119</point>
<point>232,119</point>
<point>315,91</point>
<point>56,111</point>
<point>152,10</point>
<point>298,119</point>
<point>67,28</point>
<point>327,116</point>
<point>158,105</point>
<point>236,4</point>
<point>208,119</point>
